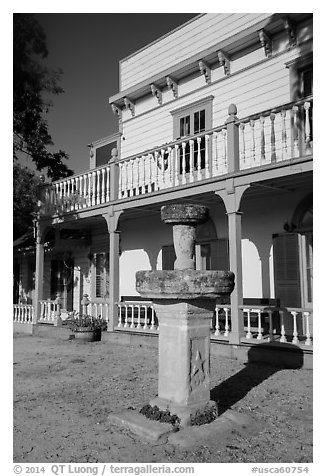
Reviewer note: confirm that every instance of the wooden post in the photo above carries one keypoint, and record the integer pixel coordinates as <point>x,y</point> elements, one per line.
<point>114,175</point>
<point>232,139</point>
<point>231,196</point>
<point>39,270</point>
<point>112,219</point>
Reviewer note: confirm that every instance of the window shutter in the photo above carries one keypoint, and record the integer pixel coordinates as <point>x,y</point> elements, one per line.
<point>168,257</point>
<point>287,270</point>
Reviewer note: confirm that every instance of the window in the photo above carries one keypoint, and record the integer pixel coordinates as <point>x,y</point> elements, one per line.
<point>301,77</point>
<point>189,121</point>
<point>101,275</point>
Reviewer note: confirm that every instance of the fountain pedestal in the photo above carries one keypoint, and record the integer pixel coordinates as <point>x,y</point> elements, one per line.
<point>184,383</point>
<point>184,300</point>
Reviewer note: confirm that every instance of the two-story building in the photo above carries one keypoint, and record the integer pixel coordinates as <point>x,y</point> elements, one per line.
<point>217,112</point>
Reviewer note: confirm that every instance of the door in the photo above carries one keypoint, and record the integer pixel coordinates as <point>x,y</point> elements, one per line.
<point>62,274</point>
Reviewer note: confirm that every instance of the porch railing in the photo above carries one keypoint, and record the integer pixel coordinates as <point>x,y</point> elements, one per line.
<point>23,313</point>
<point>99,310</point>
<point>260,323</point>
<point>137,315</point>
<point>48,310</point>
<point>269,137</point>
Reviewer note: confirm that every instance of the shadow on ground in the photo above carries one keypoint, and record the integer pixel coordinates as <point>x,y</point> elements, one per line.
<point>235,388</point>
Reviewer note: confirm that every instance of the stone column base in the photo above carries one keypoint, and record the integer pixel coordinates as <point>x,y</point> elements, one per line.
<point>184,412</point>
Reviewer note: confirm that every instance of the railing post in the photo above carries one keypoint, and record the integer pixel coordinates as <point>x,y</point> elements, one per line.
<point>232,139</point>
<point>39,269</point>
<point>57,312</point>
<point>114,175</point>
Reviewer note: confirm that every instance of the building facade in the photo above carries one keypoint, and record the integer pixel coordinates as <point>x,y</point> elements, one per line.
<point>217,112</point>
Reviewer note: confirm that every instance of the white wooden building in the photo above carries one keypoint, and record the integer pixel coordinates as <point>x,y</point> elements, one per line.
<point>218,112</point>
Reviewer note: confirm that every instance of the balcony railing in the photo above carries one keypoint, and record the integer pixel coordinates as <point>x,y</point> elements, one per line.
<point>269,137</point>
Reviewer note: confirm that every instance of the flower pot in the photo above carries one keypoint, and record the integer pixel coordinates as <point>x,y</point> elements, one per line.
<point>84,335</point>
<point>97,333</point>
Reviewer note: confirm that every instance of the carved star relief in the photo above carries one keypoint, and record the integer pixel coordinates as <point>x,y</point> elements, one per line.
<point>198,369</point>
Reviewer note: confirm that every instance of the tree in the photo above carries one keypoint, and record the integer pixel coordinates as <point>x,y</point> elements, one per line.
<point>25,199</point>
<point>33,83</point>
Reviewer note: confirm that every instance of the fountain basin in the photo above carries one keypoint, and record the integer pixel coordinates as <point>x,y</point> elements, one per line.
<point>180,213</point>
<point>184,284</point>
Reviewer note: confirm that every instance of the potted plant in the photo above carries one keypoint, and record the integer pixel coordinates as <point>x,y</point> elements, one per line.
<point>87,328</point>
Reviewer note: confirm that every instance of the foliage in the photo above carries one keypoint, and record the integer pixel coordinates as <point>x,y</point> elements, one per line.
<point>86,323</point>
<point>33,82</point>
<point>206,415</point>
<point>154,413</point>
<point>24,199</point>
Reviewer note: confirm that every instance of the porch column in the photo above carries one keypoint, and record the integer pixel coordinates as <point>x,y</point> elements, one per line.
<point>112,219</point>
<point>231,197</point>
<point>39,267</point>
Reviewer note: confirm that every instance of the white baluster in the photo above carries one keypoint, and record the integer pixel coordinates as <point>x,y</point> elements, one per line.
<point>119,315</point>
<point>227,328</point>
<point>283,337</point>
<point>199,174</point>
<point>307,127</point>
<point>225,150</point>
<point>253,145</point>
<point>89,201</point>
<point>249,334</point>
<point>103,185</point>
<point>170,166</point>
<point>120,179</point>
<point>270,319</point>
<point>183,167</point>
<point>79,193</point>
<point>138,317</point>
<point>137,175</point>
<point>296,151</point>
<point>176,164</point>
<point>131,188</point>
<point>284,136</point>
<point>260,335</point>
<point>145,322</point>
<point>217,324</point>
<point>85,191</point>
<point>273,150</point>
<point>132,324</point>
<point>191,161</point>
<point>308,336</point>
<point>215,155</point>
<point>107,197</point>
<point>207,174</point>
<point>163,166</point>
<point>143,167</point>
<point>153,318</point>
<point>126,316</point>
<point>243,146</point>
<point>295,339</point>
<point>262,139</point>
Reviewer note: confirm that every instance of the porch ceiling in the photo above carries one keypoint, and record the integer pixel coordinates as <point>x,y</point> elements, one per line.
<point>258,191</point>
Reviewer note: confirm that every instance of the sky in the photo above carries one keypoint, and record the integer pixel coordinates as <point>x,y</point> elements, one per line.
<point>88,47</point>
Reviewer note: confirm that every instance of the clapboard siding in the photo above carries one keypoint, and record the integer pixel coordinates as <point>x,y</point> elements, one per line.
<point>191,39</point>
<point>262,86</point>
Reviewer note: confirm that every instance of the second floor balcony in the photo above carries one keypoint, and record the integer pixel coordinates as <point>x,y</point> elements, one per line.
<point>261,140</point>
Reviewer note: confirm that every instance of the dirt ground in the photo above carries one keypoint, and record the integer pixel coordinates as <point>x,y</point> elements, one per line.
<point>64,391</point>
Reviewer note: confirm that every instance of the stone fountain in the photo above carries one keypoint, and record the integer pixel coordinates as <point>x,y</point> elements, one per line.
<point>184,300</point>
